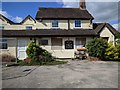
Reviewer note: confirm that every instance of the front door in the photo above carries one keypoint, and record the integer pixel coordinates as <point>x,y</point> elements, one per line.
<point>22,46</point>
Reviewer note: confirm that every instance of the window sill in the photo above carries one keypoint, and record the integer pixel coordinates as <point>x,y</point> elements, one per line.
<point>77,27</point>
<point>55,28</point>
<point>4,49</point>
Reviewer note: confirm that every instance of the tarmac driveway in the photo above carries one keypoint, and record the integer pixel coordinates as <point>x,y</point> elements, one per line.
<point>74,74</point>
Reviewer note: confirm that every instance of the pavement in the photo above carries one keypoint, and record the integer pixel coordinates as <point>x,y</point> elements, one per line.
<point>74,74</point>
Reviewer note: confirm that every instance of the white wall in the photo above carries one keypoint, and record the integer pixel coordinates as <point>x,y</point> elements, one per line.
<point>106,33</point>
<point>46,24</point>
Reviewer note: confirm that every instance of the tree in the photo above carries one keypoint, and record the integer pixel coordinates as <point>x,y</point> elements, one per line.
<point>112,52</point>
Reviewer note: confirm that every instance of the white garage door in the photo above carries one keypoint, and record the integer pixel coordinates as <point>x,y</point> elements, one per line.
<point>22,46</point>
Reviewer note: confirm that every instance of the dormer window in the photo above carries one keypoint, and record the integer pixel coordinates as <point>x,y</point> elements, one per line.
<point>54,24</point>
<point>77,23</point>
<point>28,27</point>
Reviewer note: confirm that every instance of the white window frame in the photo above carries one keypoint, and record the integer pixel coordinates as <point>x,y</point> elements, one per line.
<point>75,24</point>
<point>54,21</point>
<point>29,27</point>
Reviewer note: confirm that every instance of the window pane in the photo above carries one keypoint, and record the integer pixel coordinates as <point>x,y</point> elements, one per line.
<point>3,44</point>
<point>69,44</point>
<point>80,42</point>
<point>77,23</point>
<point>43,42</point>
<point>54,23</point>
<point>28,28</point>
<point>56,43</point>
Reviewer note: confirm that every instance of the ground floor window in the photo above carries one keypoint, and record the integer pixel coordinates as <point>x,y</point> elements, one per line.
<point>69,44</point>
<point>3,44</point>
<point>56,43</point>
<point>43,42</point>
<point>105,38</point>
<point>80,42</point>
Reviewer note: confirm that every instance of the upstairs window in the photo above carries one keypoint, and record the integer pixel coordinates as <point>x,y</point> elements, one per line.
<point>3,44</point>
<point>28,27</point>
<point>54,23</point>
<point>1,27</point>
<point>77,23</point>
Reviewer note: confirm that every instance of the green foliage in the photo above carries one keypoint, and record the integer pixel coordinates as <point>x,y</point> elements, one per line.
<point>97,47</point>
<point>118,50</point>
<point>37,54</point>
<point>33,51</point>
<point>21,63</point>
<point>117,34</point>
<point>118,41</point>
<point>112,52</point>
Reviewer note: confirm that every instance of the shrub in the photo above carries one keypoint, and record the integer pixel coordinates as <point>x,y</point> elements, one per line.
<point>7,58</point>
<point>37,54</point>
<point>97,47</point>
<point>112,52</point>
<point>33,51</point>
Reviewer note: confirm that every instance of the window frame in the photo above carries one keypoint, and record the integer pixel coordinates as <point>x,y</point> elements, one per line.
<point>58,45</point>
<point>82,42</point>
<point>3,42</point>
<point>76,22</point>
<point>40,42</point>
<point>28,27</point>
<point>54,22</point>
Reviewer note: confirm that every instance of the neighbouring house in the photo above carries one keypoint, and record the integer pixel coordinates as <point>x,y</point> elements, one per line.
<point>59,30</point>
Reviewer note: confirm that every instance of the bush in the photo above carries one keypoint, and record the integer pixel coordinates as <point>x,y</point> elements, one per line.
<point>33,51</point>
<point>112,52</point>
<point>21,63</point>
<point>37,54</point>
<point>97,47</point>
<point>7,58</point>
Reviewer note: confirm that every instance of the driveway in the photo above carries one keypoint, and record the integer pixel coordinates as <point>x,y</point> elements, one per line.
<point>74,74</point>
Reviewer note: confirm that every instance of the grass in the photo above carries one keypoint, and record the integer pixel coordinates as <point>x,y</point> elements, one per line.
<point>21,63</point>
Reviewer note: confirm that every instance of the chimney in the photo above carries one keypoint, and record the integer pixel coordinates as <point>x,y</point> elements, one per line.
<point>82,5</point>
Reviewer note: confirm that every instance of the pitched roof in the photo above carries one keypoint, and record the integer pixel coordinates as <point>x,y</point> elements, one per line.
<point>99,27</point>
<point>63,13</point>
<point>8,20</point>
<point>48,32</point>
<point>27,18</point>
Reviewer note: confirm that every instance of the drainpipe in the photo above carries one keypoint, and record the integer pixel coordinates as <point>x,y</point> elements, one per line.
<point>68,24</point>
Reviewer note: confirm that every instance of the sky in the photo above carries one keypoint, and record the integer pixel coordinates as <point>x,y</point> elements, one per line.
<point>101,11</point>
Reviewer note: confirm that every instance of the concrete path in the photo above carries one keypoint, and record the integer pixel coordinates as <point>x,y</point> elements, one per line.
<point>74,74</point>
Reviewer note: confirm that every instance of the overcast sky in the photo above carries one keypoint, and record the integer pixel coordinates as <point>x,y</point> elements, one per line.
<point>102,11</point>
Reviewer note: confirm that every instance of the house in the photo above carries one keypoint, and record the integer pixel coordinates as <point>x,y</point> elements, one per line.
<point>59,30</point>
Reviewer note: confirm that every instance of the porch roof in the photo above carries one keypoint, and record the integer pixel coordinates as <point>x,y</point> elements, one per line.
<point>48,32</point>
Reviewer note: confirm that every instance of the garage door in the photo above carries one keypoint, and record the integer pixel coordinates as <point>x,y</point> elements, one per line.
<point>22,46</point>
